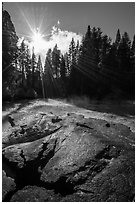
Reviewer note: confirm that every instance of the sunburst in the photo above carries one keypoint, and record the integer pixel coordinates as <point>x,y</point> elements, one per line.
<point>37,40</point>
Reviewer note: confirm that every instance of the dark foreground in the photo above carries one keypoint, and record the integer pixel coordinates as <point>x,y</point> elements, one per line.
<point>54,151</point>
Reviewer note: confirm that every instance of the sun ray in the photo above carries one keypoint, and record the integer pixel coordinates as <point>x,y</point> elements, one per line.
<point>29,25</point>
<point>41,21</point>
<point>25,18</point>
<point>28,36</point>
<point>37,40</point>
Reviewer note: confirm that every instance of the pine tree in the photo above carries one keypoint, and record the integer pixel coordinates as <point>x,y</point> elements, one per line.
<point>89,60</point>
<point>22,61</point>
<point>72,53</point>
<point>73,85</point>
<point>118,38</point>
<point>67,64</point>
<point>63,69</point>
<point>33,65</point>
<point>112,61</point>
<point>104,51</point>
<point>28,67</point>
<point>86,43</point>
<point>38,77</point>
<point>133,46</point>
<point>56,61</point>
<point>91,45</point>
<point>132,55</point>
<point>132,62</point>
<point>48,77</point>
<point>39,68</point>
<point>77,51</point>
<point>96,42</point>
<point>9,41</point>
<point>124,53</point>
<point>9,52</point>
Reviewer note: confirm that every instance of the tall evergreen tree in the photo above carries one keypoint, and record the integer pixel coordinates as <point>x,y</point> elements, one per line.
<point>118,37</point>
<point>132,55</point>
<point>63,69</point>
<point>56,61</point>
<point>48,77</point>
<point>39,67</point>
<point>9,51</point>
<point>28,67</point>
<point>86,43</point>
<point>132,62</point>
<point>38,77</point>
<point>33,65</point>
<point>67,64</point>
<point>72,53</point>
<point>22,61</point>
<point>104,51</point>
<point>133,46</point>
<point>77,50</point>
<point>72,67</point>
<point>124,53</point>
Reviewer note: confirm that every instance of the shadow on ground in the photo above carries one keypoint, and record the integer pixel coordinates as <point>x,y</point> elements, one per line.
<point>121,108</point>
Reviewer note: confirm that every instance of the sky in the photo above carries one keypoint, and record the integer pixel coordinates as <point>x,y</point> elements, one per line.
<point>58,22</point>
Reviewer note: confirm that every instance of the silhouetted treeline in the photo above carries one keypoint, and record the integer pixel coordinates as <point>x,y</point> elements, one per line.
<point>103,67</point>
<point>95,67</point>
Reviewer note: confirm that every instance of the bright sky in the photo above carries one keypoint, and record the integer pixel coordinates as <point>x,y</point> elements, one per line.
<point>58,22</point>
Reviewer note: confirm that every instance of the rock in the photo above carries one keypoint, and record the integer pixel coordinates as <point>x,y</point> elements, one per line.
<point>8,185</point>
<point>113,183</point>
<point>78,148</point>
<point>80,159</point>
<point>56,119</point>
<point>35,194</point>
<point>26,154</point>
<point>11,121</point>
<point>79,197</point>
<point>28,159</point>
<point>117,133</point>
<point>107,125</point>
<point>32,128</point>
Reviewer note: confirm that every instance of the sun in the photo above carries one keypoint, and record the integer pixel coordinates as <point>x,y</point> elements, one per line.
<point>37,36</point>
<point>37,40</point>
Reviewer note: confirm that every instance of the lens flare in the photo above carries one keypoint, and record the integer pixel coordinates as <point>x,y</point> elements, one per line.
<point>37,40</point>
